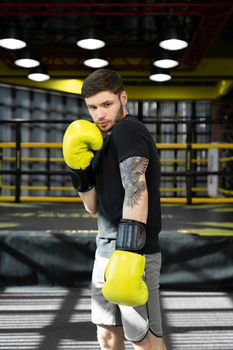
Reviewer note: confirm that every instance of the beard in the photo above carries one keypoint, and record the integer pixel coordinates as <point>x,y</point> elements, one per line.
<point>119,116</point>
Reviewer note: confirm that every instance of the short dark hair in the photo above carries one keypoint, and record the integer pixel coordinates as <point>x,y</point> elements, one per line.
<point>102,80</point>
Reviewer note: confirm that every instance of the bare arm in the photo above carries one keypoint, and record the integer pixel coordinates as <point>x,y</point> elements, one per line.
<point>89,199</point>
<point>135,205</point>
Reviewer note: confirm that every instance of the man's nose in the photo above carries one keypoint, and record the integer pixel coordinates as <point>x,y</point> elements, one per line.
<point>100,113</point>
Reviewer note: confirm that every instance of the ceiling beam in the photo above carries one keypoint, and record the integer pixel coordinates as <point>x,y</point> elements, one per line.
<point>89,8</point>
<point>205,35</point>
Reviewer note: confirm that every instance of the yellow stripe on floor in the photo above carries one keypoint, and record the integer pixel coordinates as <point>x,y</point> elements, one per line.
<point>223,210</point>
<point>216,224</point>
<point>8,225</point>
<point>208,232</point>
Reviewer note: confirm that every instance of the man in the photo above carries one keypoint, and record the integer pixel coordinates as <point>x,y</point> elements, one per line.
<point>119,178</point>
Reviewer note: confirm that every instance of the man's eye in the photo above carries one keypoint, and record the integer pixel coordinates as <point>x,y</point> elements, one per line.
<point>107,104</point>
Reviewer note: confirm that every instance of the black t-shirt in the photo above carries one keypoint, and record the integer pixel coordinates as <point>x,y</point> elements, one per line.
<point>129,138</point>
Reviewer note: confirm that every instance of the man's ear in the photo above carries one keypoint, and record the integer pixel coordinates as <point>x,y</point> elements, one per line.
<point>124,98</point>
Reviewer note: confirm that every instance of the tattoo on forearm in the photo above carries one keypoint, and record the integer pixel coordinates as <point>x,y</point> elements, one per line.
<point>131,170</point>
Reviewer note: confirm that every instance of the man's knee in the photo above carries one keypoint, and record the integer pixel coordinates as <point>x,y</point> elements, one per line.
<point>109,336</point>
<point>104,335</point>
<point>150,341</point>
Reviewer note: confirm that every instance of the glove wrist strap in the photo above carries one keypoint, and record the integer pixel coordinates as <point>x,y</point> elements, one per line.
<point>82,179</point>
<point>131,235</point>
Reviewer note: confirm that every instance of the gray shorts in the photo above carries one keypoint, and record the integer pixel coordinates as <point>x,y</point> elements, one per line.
<point>136,321</point>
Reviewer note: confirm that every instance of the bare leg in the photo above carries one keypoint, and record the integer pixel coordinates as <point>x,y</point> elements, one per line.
<point>150,342</point>
<point>111,337</point>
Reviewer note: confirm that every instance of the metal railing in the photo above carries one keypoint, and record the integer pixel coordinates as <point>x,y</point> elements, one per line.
<point>189,174</point>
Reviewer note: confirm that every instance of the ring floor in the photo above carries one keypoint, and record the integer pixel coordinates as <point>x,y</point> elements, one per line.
<point>197,246</point>
<point>39,318</point>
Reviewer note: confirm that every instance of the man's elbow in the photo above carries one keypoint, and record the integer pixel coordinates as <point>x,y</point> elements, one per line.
<point>91,210</point>
<point>89,200</point>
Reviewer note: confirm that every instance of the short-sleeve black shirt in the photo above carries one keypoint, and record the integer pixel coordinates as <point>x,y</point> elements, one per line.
<point>129,138</point>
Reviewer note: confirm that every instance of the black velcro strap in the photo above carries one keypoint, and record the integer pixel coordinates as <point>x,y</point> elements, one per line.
<point>131,235</point>
<point>83,180</point>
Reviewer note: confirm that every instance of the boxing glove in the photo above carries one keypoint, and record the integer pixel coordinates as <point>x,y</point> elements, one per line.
<point>80,140</point>
<point>124,282</point>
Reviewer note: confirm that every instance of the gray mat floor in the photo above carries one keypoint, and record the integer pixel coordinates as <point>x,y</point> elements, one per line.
<point>39,318</point>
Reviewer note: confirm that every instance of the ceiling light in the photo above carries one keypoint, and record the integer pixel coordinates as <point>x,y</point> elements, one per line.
<point>166,63</point>
<point>26,59</point>
<point>39,74</point>
<point>160,75</point>
<point>96,63</point>
<point>96,59</point>
<point>91,40</point>
<point>165,59</point>
<point>173,44</point>
<point>173,39</point>
<point>11,38</point>
<point>90,44</point>
<point>27,62</point>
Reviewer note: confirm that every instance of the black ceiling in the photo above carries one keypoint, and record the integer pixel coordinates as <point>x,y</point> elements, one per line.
<point>131,31</point>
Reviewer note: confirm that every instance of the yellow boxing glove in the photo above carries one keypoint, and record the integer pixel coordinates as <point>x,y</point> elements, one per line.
<point>81,138</point>
<point>124,279</point>
<point>124,282</point>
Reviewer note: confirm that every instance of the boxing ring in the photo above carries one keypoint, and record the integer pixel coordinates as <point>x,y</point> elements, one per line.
<point>208,237</point>
<point>47,247</point>
<point>220,195</point>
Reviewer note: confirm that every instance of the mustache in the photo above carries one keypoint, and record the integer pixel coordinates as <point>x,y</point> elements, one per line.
<point>100,121</point>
